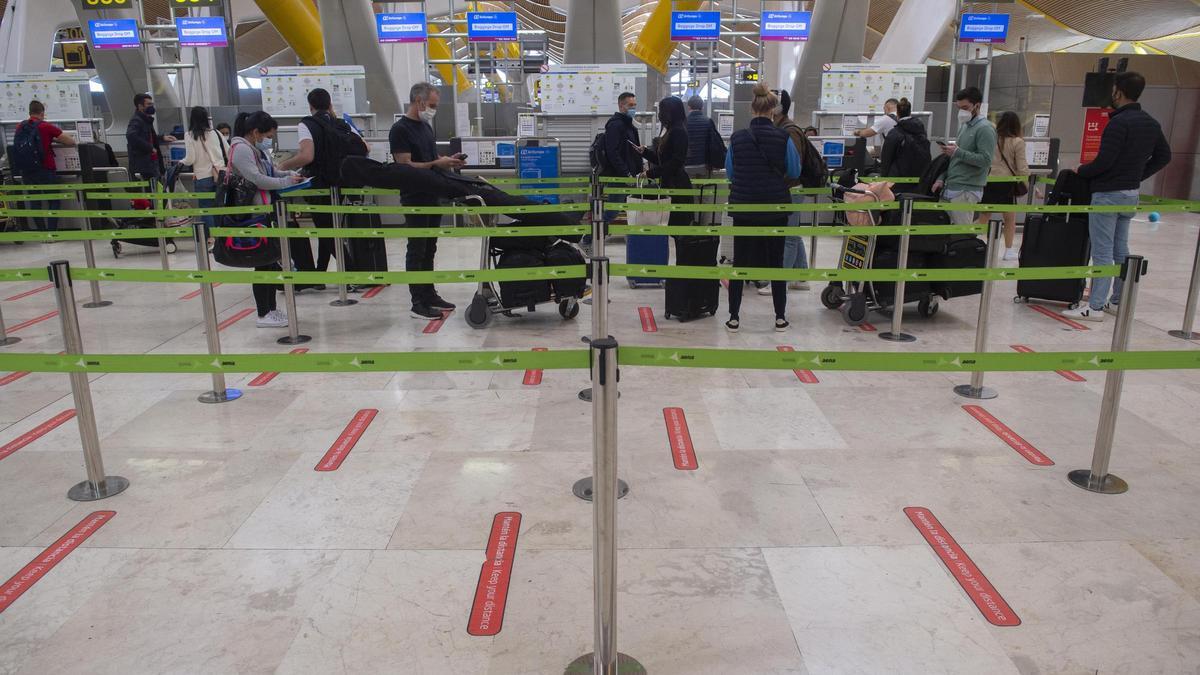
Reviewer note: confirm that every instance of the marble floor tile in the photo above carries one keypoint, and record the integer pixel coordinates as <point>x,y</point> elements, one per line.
<point>461,421</point>
<point>779,419</point>
<point>33,492</point>
<point>314,420</point>
<point>112,412</point>
<point>179,420</point>
<point>1179,559</point>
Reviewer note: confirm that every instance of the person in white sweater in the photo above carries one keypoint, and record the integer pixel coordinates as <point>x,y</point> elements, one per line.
<point>207,154</point>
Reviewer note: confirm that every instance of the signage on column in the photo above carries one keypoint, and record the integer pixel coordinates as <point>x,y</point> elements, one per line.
<point>786,26</point>
<point>985,28</point>
<point>407,27</point>
<point>114,34</point>
<point>491,26</point>
<point>695,26</point>
<point>1094,121</point>
<point>201,31</point>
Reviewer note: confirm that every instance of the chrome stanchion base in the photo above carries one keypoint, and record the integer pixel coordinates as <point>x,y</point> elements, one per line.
<point>343,303</point>
<point>86,492</point>
<point>625,664</point>
<point>220,397</point>
<point>981,393</point>
<point>586,395</point>
<point>583,488</point>
<point>1109,485</point>
<point>298,340</point>
<point>1184,335</point>
<point>93,305</point>
<point>10,340</point>
<point>897,337</point>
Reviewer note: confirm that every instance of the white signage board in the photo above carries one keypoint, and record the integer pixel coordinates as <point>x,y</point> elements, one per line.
<point>1041,125</point>
<point>285,89</point>
<point>60,92</point>
<point>586,88</point>
<point>858,87</point>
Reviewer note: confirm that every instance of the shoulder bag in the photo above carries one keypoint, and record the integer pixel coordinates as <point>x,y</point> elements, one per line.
<point>1019,189</point>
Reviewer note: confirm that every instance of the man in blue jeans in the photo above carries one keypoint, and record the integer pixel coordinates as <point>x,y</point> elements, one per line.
<point>1132,149</point>
<point>34,158</point>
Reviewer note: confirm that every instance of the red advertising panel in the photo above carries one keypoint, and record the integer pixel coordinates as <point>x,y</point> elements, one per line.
<point>1094,121</point>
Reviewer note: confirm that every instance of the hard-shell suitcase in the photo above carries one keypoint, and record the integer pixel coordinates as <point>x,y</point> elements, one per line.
<point>641,249</point>
<point>1054,240</point>
<point>689,299</point>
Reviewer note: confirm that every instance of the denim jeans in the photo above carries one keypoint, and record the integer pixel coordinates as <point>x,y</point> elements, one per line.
<point>962,197</point>
<point>1110,242</point>
<point>206,185</point>
<point>42,177</point>
<point>794,255</point>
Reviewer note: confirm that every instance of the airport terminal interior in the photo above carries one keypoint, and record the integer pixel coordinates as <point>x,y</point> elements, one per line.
<point>951,427</point>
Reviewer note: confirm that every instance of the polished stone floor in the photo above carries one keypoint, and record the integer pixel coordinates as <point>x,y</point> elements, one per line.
<point>787,551</point>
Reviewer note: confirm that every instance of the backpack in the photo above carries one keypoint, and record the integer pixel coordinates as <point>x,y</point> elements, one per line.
<point>598,156</point>
<point>905,154</point>
<point>334,141</point>
<point>813,172</point>
<point>715,152</point>
<point>932,173</point>
<point>27,152</point>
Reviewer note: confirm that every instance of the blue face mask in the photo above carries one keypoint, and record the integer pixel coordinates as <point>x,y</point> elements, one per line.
<point>264,144</point>
<point>631,111</point>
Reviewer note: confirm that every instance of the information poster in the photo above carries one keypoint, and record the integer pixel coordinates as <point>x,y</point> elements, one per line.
<point>526,125</point>
<point>540,161</point>
<point>1094,121</point>
<point>579,88</point>
<point>785,26</point>
<point>400,28</point>
<point>695,26</point>
<point>1041,125</point>
<point>60,92</point>
<point>201,31</point>
<point>983,28</point>
<point>491,26</point>
<point>114,34</point>
<point>285,89</point>
<point>863,87</point>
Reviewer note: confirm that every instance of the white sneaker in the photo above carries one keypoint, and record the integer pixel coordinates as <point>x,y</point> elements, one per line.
<point>765,290</point>
<point>1085,313</point>
<point>1011,254</point>
<point>798,286</point>
<point>273,319</point>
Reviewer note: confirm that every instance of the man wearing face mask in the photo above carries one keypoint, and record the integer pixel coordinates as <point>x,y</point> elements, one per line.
<point>413,143</point>
<point>970,157</point>
<point>621,142</point>
<point>143,141</point>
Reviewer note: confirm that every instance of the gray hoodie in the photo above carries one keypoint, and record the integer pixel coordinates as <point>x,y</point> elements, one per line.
<point>250,163</point>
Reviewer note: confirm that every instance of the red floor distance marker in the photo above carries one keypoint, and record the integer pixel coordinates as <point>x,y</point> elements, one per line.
<point>264,378</point>
<point>196,293</point>
<point>1068,374</point>
<point>436,325</point>
<point>978,588</point>
<point>35,320</point>
<point>805,376</point>
<point>1057,317</point>
<point>13,377</point>
<point>534,377</point>
<point>28,293</point>
<point>491,592</point>
<point>54,554</point>
<point>683,453</point>
<point>867,327</point>
<point>372,292</point>
<point>235,318</point>
<point>35,433</point>
<point>649,325</point>
<point>341,448</point>
<point>1014,441</point>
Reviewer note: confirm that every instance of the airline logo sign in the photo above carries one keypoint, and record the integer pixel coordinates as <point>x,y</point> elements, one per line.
<point>983,28</point>
<point>407,27</point>
<point>114,34</point>
<point>491,26</point>
<point>786,26</point>
<point>692,26</point>
<point>202,31</point>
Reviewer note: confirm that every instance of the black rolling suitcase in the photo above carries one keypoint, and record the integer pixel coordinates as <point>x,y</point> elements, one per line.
<point>689,299</point>
<point>365,255</point>
<point>1057,240</point>
<point>960,254</point>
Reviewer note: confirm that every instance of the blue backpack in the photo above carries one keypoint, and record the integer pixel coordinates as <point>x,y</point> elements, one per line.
<point>27,147</point>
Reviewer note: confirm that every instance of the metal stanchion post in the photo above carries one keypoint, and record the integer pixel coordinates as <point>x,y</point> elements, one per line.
<point>896,334</point>
<point>976,389</point>
<point>5,338</point>
<point>156,204</point>
<point>220,393</point>
<point>1189,310</point>
<point>335,198</point>
<point>812,241</point>
<point>605,658</point>
<point>1098,479</point>
<point>89,254</point>
<point>97,485</point>
<point>289,289</point>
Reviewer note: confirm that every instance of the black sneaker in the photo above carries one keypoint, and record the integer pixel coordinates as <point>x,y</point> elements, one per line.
<point>424,311</point>
<point>781,325</point>
<point>440,304</point>
<point>733,325</point>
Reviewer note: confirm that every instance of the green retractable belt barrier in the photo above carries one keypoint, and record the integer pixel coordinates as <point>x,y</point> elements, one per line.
<point>130,213</point>
<point>157,196</point>
<point>510,180</point>
<point>795,274</point>
<point>362,278</point>
<point>58,187</point>
<point>440,210</point>
<point>25,274</point>
<point>39,197</point>
<point>96,235</point>
<point>800,231</point>
<point>312,192</point>
<point>750,208</point>
<point>1180,207</point>
<point>401,232</point>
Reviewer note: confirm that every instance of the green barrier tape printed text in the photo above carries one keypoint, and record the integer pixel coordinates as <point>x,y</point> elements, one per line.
<point>363,278</point>
<point>777,274</point>
<point>25,274</point>
<point>40,197</point>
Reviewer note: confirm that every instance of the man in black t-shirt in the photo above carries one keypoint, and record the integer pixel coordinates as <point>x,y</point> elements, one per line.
<point>413,143</point>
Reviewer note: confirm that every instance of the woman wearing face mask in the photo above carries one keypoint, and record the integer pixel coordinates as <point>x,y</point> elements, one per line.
<point>252,137</point>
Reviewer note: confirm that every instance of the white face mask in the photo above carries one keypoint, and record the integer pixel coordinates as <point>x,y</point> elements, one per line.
<point>427,115</point>
<point>965,116</point>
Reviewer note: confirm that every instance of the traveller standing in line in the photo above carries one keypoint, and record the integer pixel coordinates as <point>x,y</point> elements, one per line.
<point>225,130</point>
<point>761,161</point>
<point>1132,149</point>
<point>142,141</point>
<point>706,149</point>
<point>906,150</point>
<point>668,160</point>
<point>970,157</point>
<point>248,158</point>
<point>1009,161</point>
<point>413,143</point>
<point>33,155</point>
<point>622,159</point>
<point>207,154</point>
<point>794,255</point>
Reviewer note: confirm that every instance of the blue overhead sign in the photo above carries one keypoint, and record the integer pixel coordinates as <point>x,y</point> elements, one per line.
<point>491,26</point>
<point>689,26</point>
<point>787,26</point>
<point>987,28</point>
<point>114,34</point>
<point>201,31</point>
<point>408,27</point>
